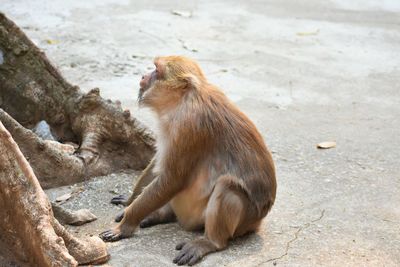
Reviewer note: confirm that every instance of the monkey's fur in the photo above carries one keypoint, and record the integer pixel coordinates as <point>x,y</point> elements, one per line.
<point>212,169</point>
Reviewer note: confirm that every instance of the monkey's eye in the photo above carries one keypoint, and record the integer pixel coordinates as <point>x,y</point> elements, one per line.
<point>157,74</point>
<point>154,75</point>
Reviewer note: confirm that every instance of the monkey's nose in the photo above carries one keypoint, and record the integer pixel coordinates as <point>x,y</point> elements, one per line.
<point>142,77</point>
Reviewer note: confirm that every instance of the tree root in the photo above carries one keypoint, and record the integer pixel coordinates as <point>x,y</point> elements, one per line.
<point>28,227</point>
<point>32,90</point>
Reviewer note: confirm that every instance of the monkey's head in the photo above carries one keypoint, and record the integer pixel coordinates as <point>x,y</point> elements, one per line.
<point>163,88</point>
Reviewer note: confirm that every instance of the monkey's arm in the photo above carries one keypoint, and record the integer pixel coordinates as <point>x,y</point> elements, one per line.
<point>154,196</point>
<point>145,178</point>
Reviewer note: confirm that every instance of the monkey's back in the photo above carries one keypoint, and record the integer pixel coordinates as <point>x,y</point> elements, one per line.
<point>237,147</point>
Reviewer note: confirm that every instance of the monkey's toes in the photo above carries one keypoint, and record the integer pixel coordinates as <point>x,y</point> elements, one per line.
<point>121,199</point>
<point>188,255</point>
<point>145,223</point>
<point>110,236</point>
<point>148,222</point>
<point>119,216</point>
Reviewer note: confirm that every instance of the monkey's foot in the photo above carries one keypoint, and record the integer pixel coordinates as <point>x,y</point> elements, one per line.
<point>121,199</point>
<point>160,216</point>
<point>115,234</point>
<point>153,219</point>
<point>193,251</point>
<point>148,222</point>
<point>119,216</point>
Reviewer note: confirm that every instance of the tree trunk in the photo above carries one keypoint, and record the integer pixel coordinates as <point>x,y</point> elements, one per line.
<point>28,229</point>
<point>32,90</point>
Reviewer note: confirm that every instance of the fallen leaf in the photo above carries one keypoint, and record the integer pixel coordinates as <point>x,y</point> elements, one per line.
<point>52,42</point>
<point>64,197</point>
<point>326,145</point>
<point>139,56</point>
<point>308,33</point>
<point>182,13</point>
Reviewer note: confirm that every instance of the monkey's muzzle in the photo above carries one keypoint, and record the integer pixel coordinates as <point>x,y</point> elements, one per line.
<point>140,95</point>
<point>145,84</point>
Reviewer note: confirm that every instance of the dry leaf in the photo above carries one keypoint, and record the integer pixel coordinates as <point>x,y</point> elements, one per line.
<point>308,33</point>
<point>52,42</point>
<point>182,13</point>
<point>326,145</point>
<point>64,197</point>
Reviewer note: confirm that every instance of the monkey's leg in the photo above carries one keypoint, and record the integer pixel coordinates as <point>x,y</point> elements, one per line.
<point>227,212</point>
<point>145,178</point>
<point>119,216</point>
<point>160,216</point>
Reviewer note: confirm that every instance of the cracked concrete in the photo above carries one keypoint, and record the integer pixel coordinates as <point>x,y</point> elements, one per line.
<point>296,236</point>
<point>304,71</point>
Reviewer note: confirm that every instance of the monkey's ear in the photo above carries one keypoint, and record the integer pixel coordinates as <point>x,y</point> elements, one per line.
<point>191,80</point>
<point>160,65</point>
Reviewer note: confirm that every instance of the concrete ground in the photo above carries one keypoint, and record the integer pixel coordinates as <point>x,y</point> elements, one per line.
<point>304,71</point>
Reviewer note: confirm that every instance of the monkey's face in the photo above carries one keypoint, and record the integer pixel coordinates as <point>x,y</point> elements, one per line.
<point>163,89</point>
<point>146,83</point>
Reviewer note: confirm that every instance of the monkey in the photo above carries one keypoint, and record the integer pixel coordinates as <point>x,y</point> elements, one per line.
<point>212,169</point>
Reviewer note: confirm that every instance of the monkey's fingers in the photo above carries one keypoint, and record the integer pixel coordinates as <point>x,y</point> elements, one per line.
<point>188,255</point>
<point>110,236</point>
<point>121,199</point>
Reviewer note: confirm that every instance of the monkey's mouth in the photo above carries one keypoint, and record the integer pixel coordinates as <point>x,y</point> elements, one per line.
<point>141,94</point>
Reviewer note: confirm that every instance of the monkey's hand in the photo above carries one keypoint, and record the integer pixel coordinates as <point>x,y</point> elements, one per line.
<point>116,234</point>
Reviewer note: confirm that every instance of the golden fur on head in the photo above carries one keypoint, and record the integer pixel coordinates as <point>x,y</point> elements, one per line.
<point>180,68</point>
<point>176,75</point>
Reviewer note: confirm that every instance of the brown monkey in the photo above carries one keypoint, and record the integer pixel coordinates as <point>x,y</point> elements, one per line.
<point>211,170</point>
